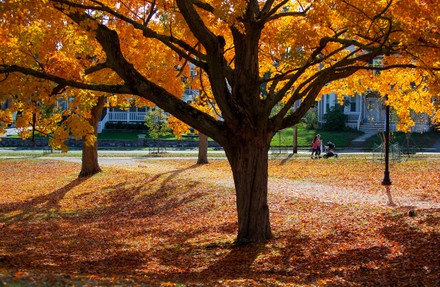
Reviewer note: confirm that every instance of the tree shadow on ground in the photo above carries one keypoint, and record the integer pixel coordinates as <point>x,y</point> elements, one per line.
<point>39,204</point>
<point>94,241</point>
<point>150,196</point>
<point>417,263</point>
<point>287,158</point>
<point>172,174</point>
<point>305,261</point>
<point>99,251</point>
<point>190,243</point>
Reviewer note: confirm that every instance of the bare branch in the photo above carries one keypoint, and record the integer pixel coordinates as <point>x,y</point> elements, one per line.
<point>58,90</point>
<point>6,76</point>
<point>358,9</point>
<point>96,68</point>
<point>287,14</point>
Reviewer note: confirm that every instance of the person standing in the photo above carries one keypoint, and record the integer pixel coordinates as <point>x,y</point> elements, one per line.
<point>316,146</point>
<point>320,147</point>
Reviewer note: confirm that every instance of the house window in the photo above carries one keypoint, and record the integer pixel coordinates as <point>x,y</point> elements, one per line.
<point>353,104</point>
<point>64,104</point>
<point>327,103</point>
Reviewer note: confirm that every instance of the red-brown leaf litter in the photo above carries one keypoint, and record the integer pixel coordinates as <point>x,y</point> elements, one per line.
<point>159,222</point>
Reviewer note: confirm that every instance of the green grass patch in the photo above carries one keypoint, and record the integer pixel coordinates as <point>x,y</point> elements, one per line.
<point>414,140</point>
<point>305,137</point>
<point>282,138</point>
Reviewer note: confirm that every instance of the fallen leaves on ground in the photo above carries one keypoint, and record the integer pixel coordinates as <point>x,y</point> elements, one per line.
<point>411,178</point>
<point>158,224</point>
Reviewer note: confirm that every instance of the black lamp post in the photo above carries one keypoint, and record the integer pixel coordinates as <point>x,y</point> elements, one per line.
<point>386,180</point>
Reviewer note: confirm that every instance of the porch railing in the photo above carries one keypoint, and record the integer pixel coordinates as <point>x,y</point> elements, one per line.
<point>126,116</point>
<point>358,127</point>
<point>137,116</point>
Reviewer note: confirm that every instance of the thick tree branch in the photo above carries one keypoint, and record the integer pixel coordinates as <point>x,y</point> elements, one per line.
<point>344,66</point>
<point>116,89</point>
<point>197,26</point>
<point>218,71</point>
<point>268,5</point>
<point>205,6</point>
<point>95,68</point>
<point>140,86</point>
<point>177,45</point>
<point>310,94</point>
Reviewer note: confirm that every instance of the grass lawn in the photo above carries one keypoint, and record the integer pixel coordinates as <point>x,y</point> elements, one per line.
<point>305,137</point>
<point>173,223</point>
<point>283,138</point>
<point>417,140</point>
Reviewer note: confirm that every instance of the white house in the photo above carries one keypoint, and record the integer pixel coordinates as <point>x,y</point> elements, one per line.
<point>134,114</point>
<point>365,113</point>
<point>137,114</point>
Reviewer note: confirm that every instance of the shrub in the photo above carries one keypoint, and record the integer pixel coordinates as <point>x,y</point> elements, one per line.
<point>125,126</point>
<point>310,119</point>
<point>335,120</point>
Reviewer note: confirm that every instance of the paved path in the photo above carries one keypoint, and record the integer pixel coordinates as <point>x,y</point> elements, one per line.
<point>296,188</point>
<point>302,189</point>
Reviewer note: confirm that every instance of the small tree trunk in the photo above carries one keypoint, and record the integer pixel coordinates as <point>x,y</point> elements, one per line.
<point>203,149</point>
<point>89,163</point>
<point>295,139</point>
<point>249,163</point>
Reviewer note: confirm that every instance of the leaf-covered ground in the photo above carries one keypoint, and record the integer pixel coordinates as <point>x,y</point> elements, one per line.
<point>173,223</point>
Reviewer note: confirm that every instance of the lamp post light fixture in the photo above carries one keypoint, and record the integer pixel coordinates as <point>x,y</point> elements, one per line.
<point>386,180</point>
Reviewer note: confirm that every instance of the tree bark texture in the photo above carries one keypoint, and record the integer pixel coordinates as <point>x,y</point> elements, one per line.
<point>249,163</point>
<point>203,149</point>
<point>89,160</point>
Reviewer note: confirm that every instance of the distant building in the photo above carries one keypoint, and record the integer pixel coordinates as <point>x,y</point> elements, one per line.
<point>137,114</point>
<point>365,113</point>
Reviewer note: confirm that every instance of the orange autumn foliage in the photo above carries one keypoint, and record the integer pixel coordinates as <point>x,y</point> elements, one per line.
<point>36,35</point>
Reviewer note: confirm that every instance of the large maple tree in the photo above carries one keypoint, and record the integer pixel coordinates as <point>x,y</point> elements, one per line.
<point>251,57</point>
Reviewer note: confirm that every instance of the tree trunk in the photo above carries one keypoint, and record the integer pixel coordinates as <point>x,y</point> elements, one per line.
<point>295,139</point>
<point>89,163</point>
<point>249,163</point>
<point>203,149</point>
